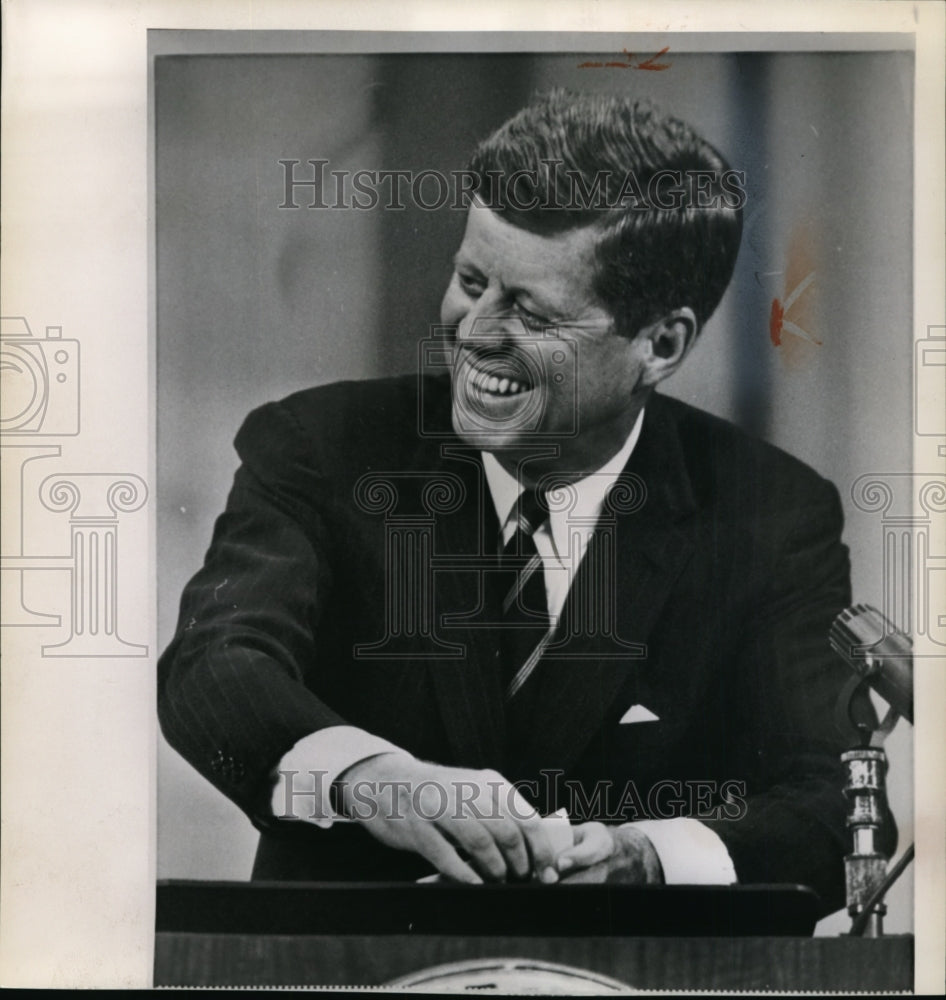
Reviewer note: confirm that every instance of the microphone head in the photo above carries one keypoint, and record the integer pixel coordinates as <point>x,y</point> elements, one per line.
<point>878,651</point>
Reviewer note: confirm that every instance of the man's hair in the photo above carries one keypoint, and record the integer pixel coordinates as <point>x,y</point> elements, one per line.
<point>569,160</point>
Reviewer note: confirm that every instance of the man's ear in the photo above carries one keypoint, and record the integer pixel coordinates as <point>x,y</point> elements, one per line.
<point>667,343</point>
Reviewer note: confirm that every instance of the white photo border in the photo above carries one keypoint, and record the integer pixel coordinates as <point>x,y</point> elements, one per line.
<point>79,735</point>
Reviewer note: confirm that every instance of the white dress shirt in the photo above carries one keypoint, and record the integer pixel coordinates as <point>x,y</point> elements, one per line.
<point>689,852</point>
<point>567,530</point>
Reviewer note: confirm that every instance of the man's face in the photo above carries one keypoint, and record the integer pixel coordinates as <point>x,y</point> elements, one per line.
<point>538,360</point>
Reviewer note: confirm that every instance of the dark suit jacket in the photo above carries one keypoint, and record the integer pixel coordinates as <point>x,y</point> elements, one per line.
<point>722,563</point>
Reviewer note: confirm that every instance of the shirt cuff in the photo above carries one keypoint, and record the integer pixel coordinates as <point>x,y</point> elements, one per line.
<point>690,853</point>
<point>305,773</point>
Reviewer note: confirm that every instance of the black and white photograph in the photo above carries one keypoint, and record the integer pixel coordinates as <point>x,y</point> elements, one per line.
<point>538,495</point>
<point>552,380</point>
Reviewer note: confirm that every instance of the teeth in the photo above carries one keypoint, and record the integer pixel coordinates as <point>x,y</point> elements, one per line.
<point>497,385</point>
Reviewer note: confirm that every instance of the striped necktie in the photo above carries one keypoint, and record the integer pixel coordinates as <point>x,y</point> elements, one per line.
<point>525,616</point>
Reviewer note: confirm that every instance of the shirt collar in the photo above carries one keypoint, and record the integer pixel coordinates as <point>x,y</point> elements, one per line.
<point>506,488</point>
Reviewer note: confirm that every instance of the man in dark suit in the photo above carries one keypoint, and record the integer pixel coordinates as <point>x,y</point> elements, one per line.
<point>438,609</point>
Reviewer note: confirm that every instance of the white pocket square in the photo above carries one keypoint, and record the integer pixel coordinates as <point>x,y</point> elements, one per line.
<point>638,713</point>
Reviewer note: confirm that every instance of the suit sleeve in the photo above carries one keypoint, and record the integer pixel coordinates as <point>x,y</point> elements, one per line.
<point>232,697</point>
<point>790,826</point>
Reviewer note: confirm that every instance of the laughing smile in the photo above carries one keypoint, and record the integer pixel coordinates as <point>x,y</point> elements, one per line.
<point>496,375</point>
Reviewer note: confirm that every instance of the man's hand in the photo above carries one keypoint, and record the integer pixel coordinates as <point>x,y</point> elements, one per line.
<point>470,825</point>
<point>610,854</point>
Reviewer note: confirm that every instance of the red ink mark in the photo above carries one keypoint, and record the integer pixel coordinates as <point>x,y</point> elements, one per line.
<point>779,324</point>
<point>775,322</point>
<point>650,64</point>
<point>647,64</point>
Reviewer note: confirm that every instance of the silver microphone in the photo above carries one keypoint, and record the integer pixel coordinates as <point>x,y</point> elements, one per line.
<point>878,651</point>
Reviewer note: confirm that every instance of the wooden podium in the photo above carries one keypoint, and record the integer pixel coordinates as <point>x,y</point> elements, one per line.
<point>601,936</point>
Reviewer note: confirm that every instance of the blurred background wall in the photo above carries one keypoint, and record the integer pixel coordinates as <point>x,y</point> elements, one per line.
<point>253,301</point>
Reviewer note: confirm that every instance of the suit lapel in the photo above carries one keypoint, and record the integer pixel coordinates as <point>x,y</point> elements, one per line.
<point>641,544</point>
<point>468,686</point>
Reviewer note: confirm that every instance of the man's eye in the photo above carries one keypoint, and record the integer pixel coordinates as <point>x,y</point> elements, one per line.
<point>533,320</point>
<point>469,284</point>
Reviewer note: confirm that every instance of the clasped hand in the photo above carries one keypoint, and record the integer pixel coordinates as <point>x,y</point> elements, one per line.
<point>474,826</point>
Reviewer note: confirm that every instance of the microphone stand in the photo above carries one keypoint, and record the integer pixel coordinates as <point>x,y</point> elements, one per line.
<point>865,868</point>
<point>880,656</point>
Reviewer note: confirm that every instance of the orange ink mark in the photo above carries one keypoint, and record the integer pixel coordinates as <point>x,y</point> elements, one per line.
<point>796,311</point>
<point>778,319</point>
<point>647,64</point>
<point>775,322</point>
<point>650,64</point>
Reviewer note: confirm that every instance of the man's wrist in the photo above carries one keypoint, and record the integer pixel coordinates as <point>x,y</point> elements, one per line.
<point>636,859</point>
<point>304,779</point>
<point>690,853</point>
<point>361,772</point>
